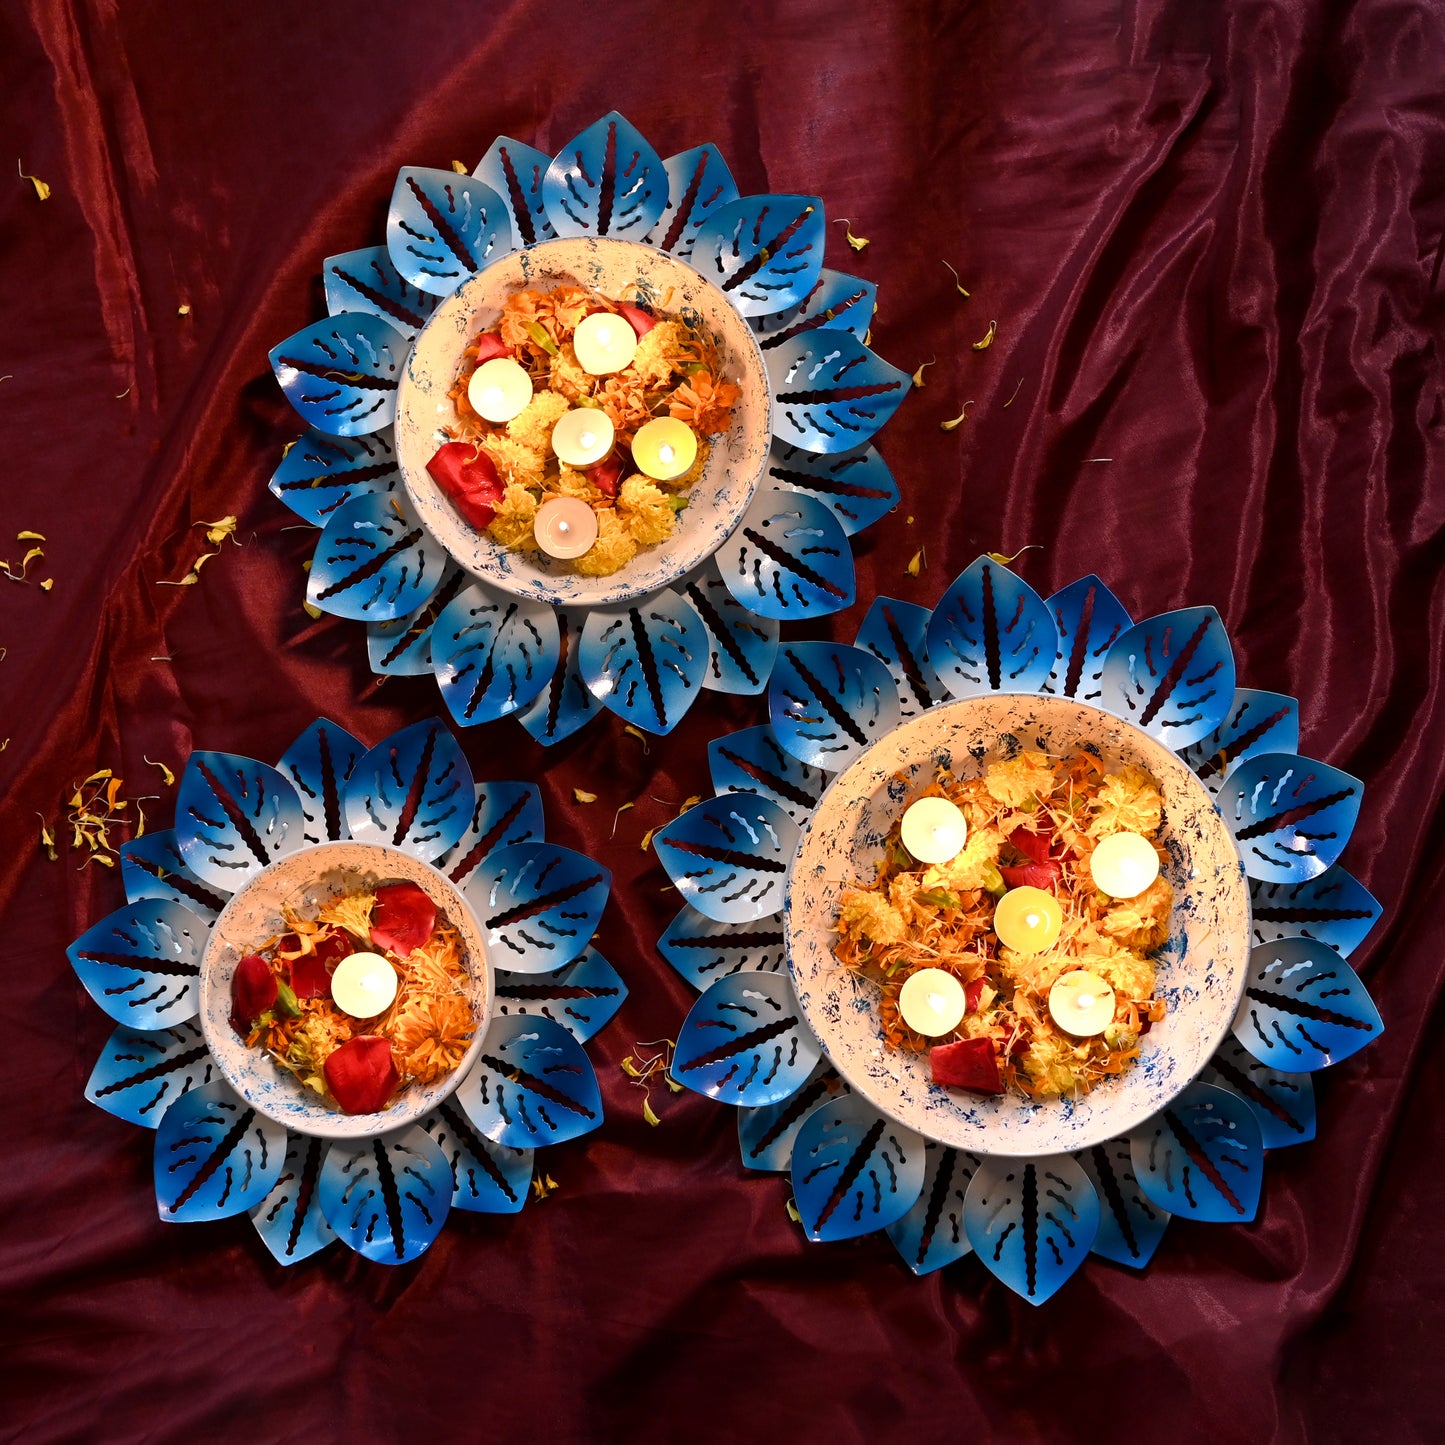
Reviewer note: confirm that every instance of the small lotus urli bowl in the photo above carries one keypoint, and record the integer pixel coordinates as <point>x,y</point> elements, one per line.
<point>305,882</point>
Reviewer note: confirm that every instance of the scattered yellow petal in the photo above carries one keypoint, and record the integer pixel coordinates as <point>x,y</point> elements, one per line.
<point>218,531</point>
<point>459,168</point>
<point>47,838</point>
<point>617,815</point>
<point>629,1067</point>
<point>647,839</point>
<point>908,521</point>
<point>1004,561</point>
<point>953,423</point>
<point>648,1113</point>
<point>47,584</point>
<point>687,803</point>
<point>918,375</point>
<point>916,564</point>
<point>793,1211</point>
<point>98,777</point>
<point>104,859</point>
<point>581,796</point>
<point>140,814</point>
<point>632,730</point>
<point>183,310</point>
<point>868,337</point>
<point>167,776</point>
<point>543,1185</point>
<point>285,451</point>
<point>987,337</point>
<point>858,243</point>
<point>956,281</point>
<point>312,611</point>
<point>4,745</point>
<point>41,189</point>
<point>1011,399</point>
<point>672,1083</point>
<point>29,537</point>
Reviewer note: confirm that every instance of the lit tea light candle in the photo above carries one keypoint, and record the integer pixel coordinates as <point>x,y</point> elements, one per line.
<point>1081,1003</point>
<point>1124,865</point>
<point>499,389</point>
<point>582,436</point>
<point>934,830</point>
<point>1028,920</point>
<point>363,985</point>
<point>604,343</point>
<point>932,1002</point>
<point>664,448</point>
<point>565,527</point>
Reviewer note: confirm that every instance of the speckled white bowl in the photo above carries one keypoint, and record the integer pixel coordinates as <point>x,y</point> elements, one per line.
<point>717,499</point>
<point>1201,970</point>
<point>305,881</point>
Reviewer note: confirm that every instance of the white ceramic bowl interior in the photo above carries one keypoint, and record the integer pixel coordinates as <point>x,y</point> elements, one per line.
<point>717,499</point>
<point>1201,970</point>
<point>305,881</point>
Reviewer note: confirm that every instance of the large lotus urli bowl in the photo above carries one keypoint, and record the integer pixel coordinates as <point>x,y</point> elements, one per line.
<point>1201,970</point>
<point>619,270</point>
<point>305,882</point>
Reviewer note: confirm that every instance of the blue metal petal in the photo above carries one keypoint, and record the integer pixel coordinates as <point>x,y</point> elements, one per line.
<point>647,660</point>
<point>367,280</point>
<point>788,558</point>
<point>493,653</point>
<point>318,763</point>
<point>539,904</point>
<point>764,252</point>
<point>289,1219</point>
<point>1284,1104</point>
<point>214,1156</point>
<point>1130,1223</point>
<point>896,633</point>
<point>854,1171</point>
<point>375,561</point>
<point>151,866</point>
<point>729,856</point>
<point>744,1041</point>
<point>387,1197</point>
<point>1031,1222</point>
<point>991,632</point>
<point>412,790</point>
<point>1290,816</point>
<point>766,1135</point>
<point>503,814</point>
<point>753,761</point>
<point>1089,620</point>
<point>320,473</point>
<point>702,950</point>
<point>142,963</point>
<point>533,1085</point>
<point>582,997</point>
<point>837,302</point>
<point>487,1178</point>
<point>856,485</point>
<point>827,702</point>
<point>1304,1007</point>
<point>443,227</point>
<point>565,703</point>
<point>1172,675</point>
<point>698,183</point>
<point>830,393</point>
<point>401,647</point>
<point>515,171</point>
<point>743,643</point>
<point>1332,907</point>
<point>234,817</point>
<point>606,182</point>
<point>931,1234</point>
<point>141,1073</point>
<point>1257,722</point>
<point>1202,1157</point>
<point>341,374</point>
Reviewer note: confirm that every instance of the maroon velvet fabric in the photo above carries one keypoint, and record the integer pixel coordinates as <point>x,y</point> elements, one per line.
<point>1210,235</point>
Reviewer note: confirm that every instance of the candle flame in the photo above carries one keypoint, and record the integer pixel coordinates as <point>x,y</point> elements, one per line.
<point>665,453</point>
<point>492,396</point>
<point>1032,919</point>
<point>587,439</point>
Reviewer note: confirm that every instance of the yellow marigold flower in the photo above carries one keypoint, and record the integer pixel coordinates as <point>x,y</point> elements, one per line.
<point>512,526</point>
<point>568,378</point>
<point>646,511</point>
<point>682,483</point>
<point>431,1037</point>
<point>868,915</point>
<point>1128,974</point>
<point>572,483</point>
<point>614,548</point>
<point>532,426</point>
<point>659,353</point>
<point>516,464</point>
<point>1141,923</point>
<point>974,867</point>
<point>1128,802</point>
<point>1021,779</point>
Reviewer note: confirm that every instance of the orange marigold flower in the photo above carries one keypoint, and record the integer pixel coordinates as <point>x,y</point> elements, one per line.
<point>431,1038</point>
<point>706,405</point>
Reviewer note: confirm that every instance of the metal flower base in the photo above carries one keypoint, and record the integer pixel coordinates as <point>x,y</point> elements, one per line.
<point>714,624</point>
<point>531,1085</point>
<point>1031,1220</point>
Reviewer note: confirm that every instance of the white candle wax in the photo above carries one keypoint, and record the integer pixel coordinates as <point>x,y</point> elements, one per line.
<point>1081,1003</point>
<point>664,448</point>
<point>565,527</point>
<point>499,389</point>
<point>932,1002</point>
<point>582,436</point>
<point>1124,865</point>
<point>604,343</point>
<point>363,985</point>
<point>934,830</point>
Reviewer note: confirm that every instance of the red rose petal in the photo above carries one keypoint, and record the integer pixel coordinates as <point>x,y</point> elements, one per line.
<point>969,1064</point>
<point>253,991</point>
<point>311,973</point>
<point>403,918</point>
<point>641,321</point>
<point>1039,847</point>
<point>361,1074</point>
<point>490,346</point>
<point>1030,875</point>
<point>469,478</point>
<point>972,992</point>
<point>607,475</point>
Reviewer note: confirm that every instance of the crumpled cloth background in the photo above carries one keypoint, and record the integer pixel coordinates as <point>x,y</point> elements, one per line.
<point>1211,238</point>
